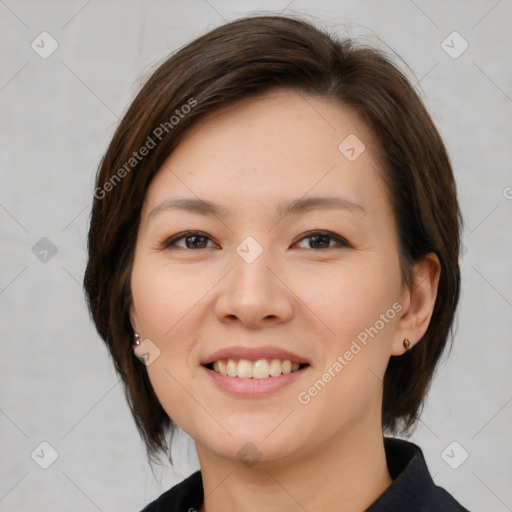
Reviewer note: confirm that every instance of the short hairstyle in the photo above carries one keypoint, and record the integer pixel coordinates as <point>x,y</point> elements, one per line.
<point>240,59</point>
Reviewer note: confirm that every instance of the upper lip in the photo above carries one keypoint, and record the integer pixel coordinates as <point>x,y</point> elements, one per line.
<point>253,353</point>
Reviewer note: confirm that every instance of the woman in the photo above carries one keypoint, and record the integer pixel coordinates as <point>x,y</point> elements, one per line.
<point>275,238</point>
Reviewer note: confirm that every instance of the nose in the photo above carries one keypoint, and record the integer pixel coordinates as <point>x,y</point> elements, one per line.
<point>254,294</point>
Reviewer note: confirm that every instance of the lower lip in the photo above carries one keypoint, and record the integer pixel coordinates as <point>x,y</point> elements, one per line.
<point>254,388</point>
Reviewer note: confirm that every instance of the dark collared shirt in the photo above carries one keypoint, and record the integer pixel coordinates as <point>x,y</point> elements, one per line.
<point>412,490</point>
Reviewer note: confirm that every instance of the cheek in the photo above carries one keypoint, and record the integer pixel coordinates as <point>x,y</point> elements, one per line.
<point>360,307</point>
<point>159,311</point>
<point>168,301</point>
<point>165,297</point>
<point>352,300</point>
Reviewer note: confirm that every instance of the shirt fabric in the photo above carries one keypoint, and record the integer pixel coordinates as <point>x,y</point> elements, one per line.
<point>412,489</point>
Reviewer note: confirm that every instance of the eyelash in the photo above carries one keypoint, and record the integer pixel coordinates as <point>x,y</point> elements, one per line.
<point>170,242</point>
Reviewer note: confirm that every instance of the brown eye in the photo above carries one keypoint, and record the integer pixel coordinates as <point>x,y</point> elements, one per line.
<point>199,240</point>
<point>192,240</point>
<point>323,239</point>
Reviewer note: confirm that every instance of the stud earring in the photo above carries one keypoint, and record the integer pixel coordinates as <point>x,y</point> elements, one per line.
<point>407,344</point>
<point>136,339</point>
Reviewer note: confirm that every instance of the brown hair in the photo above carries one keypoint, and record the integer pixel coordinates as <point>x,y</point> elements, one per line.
<point>240,59</point>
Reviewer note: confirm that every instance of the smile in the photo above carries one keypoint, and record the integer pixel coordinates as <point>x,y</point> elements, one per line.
<point>258,369</point>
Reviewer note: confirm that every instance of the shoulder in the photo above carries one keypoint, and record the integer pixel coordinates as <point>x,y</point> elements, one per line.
<point>186,496</point>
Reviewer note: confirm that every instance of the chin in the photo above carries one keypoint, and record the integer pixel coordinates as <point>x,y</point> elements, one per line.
<point>263,444</point>
<point>250,453</point>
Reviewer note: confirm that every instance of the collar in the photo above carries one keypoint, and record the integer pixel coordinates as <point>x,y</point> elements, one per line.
<point>412,487</point>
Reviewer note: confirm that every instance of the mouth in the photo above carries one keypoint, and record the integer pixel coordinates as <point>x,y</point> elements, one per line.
<point>260,363</point>
<point>250,373</point>
<point>263,368</point>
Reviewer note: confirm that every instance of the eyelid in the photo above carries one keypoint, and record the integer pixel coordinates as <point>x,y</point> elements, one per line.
<point>169,242</point>
<point>334,236</point>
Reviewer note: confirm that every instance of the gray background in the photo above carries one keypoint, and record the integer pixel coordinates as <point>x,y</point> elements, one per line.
<point>58,114</point>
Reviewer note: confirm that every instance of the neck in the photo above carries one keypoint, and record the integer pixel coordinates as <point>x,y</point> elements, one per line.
<point>346,473</point>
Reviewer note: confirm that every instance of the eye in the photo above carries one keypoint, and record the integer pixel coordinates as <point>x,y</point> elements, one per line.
<point>193,240</point>
<point>199,240</point>
<point>322,239</point>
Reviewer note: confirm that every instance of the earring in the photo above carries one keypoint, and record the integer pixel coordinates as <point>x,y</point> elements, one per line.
<point>407,344</point>
<point>137,339</point>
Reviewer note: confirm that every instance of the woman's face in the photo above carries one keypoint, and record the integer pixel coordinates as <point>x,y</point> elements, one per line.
<point>318,283</point>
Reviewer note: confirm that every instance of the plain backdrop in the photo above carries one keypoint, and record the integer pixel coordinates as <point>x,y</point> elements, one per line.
<point>58,113</point>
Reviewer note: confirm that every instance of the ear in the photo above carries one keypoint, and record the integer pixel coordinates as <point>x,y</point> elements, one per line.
<point>418,303</point>
<point>134,319</point>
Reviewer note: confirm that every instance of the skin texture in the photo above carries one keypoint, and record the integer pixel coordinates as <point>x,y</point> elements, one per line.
<point>327,454</point>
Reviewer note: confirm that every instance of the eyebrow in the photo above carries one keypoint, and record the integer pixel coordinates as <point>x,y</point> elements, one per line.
<point>295,207</point>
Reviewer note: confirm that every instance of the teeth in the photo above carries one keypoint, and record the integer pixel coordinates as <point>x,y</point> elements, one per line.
<point>287,367</point>
<point>244,369</point>
<point>260,369</point>
<point>220,367</point>
<point>232,368</point>
<point>275,367</point>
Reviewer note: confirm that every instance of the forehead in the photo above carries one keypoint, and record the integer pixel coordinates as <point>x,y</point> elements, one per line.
<point>279,145</point>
